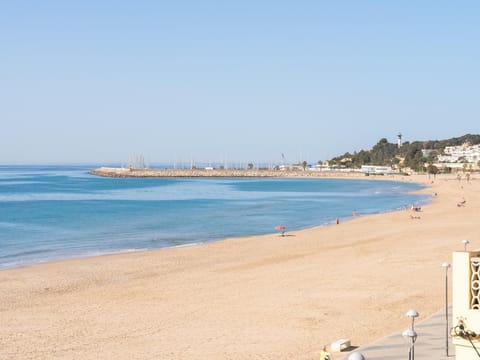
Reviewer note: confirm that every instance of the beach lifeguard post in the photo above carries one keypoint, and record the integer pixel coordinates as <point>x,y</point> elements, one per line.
<point>465,329</point>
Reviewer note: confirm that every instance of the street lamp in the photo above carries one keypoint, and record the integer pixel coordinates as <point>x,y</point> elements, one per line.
<point>410,335</point>
<point>446,265</point>
<point>412,314</point>
<point>465,243</point>
<point>356,356</point>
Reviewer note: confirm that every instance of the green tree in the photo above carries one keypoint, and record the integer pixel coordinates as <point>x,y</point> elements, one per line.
<point>385,153</point>
<point>432,169</point>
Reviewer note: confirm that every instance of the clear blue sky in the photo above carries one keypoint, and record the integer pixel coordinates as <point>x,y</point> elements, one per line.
<point>97,81</point>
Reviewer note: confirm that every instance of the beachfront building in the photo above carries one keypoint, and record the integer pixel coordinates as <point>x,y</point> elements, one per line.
<point>378,170</point>
<point>321,167</point>
<point>465,330</point>
<point>332,168</point>
<point>458,156</point>
<point>291,167</point>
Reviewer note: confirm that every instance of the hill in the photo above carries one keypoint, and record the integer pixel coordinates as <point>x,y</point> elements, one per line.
<point>417,155</point>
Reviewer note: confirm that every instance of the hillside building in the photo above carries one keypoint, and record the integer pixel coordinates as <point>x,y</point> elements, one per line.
<point>458,156</point>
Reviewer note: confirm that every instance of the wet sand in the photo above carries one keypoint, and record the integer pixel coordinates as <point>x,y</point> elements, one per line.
<point>264,297</point>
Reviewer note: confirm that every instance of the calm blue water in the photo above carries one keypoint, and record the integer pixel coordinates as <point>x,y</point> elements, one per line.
<point>54,212</point>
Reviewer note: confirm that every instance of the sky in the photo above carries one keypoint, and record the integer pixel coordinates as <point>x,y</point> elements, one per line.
<point>232,81</point>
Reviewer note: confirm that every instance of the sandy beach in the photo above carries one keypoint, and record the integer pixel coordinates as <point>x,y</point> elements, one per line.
<point>265,297</point>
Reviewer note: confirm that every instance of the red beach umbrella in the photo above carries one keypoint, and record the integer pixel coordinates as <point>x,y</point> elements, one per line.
<point>281,228</point>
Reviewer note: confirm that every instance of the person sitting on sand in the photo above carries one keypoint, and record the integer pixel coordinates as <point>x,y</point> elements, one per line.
<point>416,208</point>
<point>324,354</point>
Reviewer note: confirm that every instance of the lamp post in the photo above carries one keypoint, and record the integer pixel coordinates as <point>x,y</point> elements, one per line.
<point>446,265</point>
<point>411,336</point>
<point>412,314</point>
<point>465,243</point>
<point>356,356</point>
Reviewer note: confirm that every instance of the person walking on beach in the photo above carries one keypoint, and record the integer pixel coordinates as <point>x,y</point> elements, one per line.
<point>324,354</point>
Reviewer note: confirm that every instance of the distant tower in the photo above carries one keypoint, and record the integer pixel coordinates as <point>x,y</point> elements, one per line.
<point>399,140</point>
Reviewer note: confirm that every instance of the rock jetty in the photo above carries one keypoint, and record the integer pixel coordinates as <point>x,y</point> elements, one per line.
<point>124,172</point>
<point>192,173</point>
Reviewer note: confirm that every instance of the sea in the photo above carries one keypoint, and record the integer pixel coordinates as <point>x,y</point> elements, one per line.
<point>51,212</point>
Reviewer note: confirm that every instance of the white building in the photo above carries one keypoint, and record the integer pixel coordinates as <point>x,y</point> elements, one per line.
<point>374,169</point>
<point>462,154</point>
<point>466,304</point>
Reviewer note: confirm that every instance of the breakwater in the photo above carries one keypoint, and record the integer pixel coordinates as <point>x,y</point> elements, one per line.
<point>258,173</point>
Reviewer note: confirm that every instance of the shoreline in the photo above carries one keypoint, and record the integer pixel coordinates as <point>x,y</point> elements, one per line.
<point>284,175</point>
<point>278,297</point>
